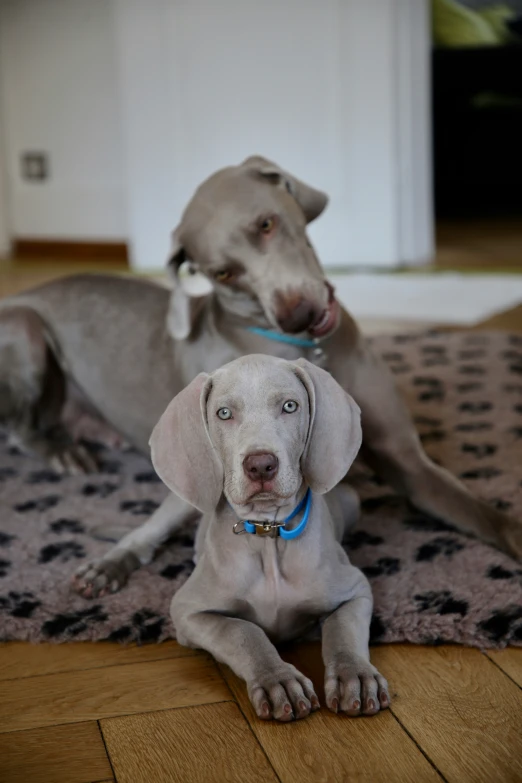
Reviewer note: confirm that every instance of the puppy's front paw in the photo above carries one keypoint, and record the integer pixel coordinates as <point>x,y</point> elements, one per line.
<point>283,695</point>
<point>356,688</point>
<point>108,575</point>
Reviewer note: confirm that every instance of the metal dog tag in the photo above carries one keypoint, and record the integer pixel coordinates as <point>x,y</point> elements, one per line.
<point>319,357</point>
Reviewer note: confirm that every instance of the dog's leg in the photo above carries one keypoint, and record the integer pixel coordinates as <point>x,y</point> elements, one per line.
<point>275,688</point>
<point>137,548</point>
<point>352,684</point>
<point>392,447</point>
<point>32,393</point>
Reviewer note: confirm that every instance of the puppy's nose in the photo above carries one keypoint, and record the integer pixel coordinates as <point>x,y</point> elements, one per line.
<point>261,467</point>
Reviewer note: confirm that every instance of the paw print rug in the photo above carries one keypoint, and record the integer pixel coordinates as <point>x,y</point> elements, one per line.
<point>431,584</point>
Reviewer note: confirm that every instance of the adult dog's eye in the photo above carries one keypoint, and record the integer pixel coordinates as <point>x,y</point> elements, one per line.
<point>223,275</point>
<point>224,414</point>
<point>290,406</point>
<point>268,225</point>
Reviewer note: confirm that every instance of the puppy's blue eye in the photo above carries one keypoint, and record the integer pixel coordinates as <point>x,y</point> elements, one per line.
<point>224,413</point>
<point>290,406</point>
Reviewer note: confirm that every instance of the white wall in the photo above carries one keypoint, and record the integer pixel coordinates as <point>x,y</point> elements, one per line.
<point>137,101</point>
<point>60,95</point>
<point>326,89</point>
<point>5,236</point>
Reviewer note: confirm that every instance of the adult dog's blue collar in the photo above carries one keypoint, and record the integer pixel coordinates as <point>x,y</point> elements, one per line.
<point>278,528</point>
<point>280,337</point>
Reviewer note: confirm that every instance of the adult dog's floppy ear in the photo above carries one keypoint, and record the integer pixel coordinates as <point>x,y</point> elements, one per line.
<point>334,434</point>
<point>181,450</point>
<point>311,201</point>
<point>189,286</point>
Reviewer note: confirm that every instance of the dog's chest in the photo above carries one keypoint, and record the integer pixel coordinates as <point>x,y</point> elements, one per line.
<point>284,597</point>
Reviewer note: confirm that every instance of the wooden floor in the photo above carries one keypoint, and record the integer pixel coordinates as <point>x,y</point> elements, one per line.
<point>80,713</point>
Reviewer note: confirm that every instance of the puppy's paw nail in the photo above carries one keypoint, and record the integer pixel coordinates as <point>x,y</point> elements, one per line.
<point>356,705</point>
<point>315,703</point>
<point>335,705</point>
<point>371,704</point>
<point>265,710</point>
<point>287,708</point>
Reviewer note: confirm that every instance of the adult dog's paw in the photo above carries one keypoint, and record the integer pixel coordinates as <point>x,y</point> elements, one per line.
<point>108,575</point>
<point>284,695</point>
<point>356,688</point>
<point>72,459</point>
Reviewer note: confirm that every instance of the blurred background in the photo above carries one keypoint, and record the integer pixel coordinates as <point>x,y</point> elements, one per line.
<point>407,112</point>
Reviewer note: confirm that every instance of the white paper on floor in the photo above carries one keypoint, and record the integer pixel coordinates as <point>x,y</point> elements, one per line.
<point>439,298</point>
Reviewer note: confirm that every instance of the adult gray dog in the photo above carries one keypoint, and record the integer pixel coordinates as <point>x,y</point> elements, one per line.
<point>270,438</point>
<point>244,274</point>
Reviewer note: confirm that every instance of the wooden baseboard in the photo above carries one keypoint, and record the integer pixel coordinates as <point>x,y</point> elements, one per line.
<point>65,250</point>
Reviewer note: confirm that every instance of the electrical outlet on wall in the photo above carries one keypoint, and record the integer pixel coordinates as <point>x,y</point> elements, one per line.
<point>35,166</point>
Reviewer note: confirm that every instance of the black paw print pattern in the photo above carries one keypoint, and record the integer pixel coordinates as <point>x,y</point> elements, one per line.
<point>38,504</point>
<point>102,490</point>
<point>360,538</point>
<point>441,602</point>
<point>16,604</point>
<point>144,626</point>
<point>385,566</point>
<point>443,545</point>
<point>147,477</point>
<point>70,624</point>
<point>470,406</point>
<point>44,477</point>
<point>64,525</point>
<point>109,466</point>
<point>479,450</point>
<point>5,565</point>
<point>481,473</point>
<point>499,572</point>
<point>173,570</point>
<point>503,623</point>
<point>63,550</point>
<point>139,507</point>
<point>474,426</point>
<point>425,523</point>
<point>431,389</point>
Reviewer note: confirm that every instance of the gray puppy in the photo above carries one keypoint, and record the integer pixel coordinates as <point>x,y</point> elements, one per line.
<point>257,443</point>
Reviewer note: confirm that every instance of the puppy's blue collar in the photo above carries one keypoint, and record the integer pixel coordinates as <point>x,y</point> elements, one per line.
<point>280,337</point>
<point>267,528</point>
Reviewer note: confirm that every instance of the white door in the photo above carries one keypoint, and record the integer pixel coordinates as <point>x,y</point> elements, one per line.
<point>337,92</point>
<point>4,211</point>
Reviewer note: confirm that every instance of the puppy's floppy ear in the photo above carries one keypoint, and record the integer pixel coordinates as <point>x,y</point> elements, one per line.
<point>311,201</point>
<point>334,434</point>
<point>189,286</point>
<point>181,450</point>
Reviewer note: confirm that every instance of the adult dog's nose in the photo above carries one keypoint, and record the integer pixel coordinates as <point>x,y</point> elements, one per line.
<point>261,467</point>
<point>295,315</point>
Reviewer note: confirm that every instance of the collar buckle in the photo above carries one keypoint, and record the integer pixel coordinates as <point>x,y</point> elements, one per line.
<point>266,529</point>
<point>274,529</point>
